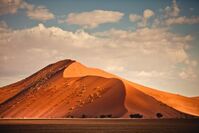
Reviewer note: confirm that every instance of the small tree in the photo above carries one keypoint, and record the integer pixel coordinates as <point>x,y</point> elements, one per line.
<point>135,116</point>
<point>83,116</point>
<point>159,115</point>
<point>70,116</point>
<point>109,116</point>
<point>102,116</point>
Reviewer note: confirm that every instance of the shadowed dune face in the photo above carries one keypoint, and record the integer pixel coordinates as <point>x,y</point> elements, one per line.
<point>45,73</point>
<point>110,103</point>
<point>68,88</point>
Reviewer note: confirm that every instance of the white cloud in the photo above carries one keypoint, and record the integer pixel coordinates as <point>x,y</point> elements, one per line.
<point>148,13</point>
<point>177,55</point>
<point>176,9</point>
<point>194,63</point>
<point>10,6</point>
<point>172,17</point>
<point>173,11</point>
<point>114,68</point>
<point>94,18</point>
<point>151,42</point>
<point>135,17</point>
<point>40,13</point>
<point>150,74</point>
<point>183,75</point>
<point>182,20</point>
<point>188,73</point>
<point>191,63</point>
<point>142,20</point>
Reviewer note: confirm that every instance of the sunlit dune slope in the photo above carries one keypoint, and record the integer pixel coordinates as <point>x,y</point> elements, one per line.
<point>138,102</point>
<point>178,102</point>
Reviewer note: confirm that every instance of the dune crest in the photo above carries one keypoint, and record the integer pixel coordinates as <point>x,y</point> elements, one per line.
<point>77,69</point>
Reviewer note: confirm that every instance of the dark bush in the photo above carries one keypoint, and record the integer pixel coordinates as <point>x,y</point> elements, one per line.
<point>106,116</point>
<point>102,116</point>
<point>70,116</point>
<point>83,116</point>
<point>109,116</point>
<point>135,116</point>
<point>159,115</point>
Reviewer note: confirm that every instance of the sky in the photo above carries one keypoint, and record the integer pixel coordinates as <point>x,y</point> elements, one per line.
<point>153,43</point>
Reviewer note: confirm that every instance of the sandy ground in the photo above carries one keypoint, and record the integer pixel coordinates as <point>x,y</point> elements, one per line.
<point>99,126</point>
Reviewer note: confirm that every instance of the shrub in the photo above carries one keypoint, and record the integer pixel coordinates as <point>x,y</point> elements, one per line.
<point>83,116</point>
<point>106,116</point>
<point>159,115</point>
<point>102,116</point>
<point>135,116</point>
<point>70,116</point>
<point>109,116</point>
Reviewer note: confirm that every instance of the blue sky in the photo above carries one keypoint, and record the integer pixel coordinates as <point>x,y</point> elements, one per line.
<point>64,7</point>
<point>154,43</point>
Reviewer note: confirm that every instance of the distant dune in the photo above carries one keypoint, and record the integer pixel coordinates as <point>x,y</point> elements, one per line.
<point>69,89</point>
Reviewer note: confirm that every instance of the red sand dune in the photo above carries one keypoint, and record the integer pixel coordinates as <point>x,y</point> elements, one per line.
<point>178,102</point>
<point>68,88</point>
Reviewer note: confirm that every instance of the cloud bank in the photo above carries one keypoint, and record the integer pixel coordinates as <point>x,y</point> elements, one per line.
<point>109,50</point>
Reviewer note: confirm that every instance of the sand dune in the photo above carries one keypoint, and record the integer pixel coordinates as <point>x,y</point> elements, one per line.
<point>53,96</point>
<point>178,102</point>
<point>68,88</point>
